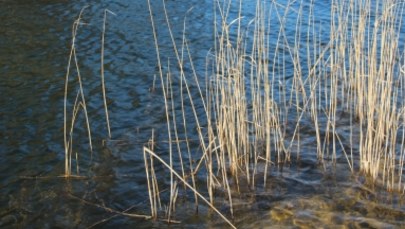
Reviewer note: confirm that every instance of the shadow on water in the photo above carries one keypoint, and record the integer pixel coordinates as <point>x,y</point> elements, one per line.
<point>35,42</point>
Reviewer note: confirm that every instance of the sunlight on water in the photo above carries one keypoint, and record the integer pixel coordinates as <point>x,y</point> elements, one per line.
<point>35,42</point>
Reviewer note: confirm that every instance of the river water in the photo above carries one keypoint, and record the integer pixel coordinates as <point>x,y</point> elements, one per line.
<point>35,41</point>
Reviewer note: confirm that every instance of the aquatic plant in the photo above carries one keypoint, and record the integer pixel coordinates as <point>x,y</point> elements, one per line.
<point>261,87</point>
<point>80,101</point>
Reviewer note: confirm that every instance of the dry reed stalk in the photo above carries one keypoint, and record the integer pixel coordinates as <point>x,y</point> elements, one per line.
<point>102,71</point>
<point>137,216</point>
<point>174,120</point>
<point>172,171</point>
<point>78,103</point>
<point>180,62</point>
<point>190,158</point>
<point>155,186</point>
<point>164,90</point>
<point>172,186</point>
<point>153,209</point>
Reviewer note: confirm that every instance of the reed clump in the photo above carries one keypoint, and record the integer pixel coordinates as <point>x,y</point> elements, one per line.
<point>79,105</point>
<point>269,75</point>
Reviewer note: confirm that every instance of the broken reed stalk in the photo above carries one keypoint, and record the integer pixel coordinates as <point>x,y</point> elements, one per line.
<point>172,171</point>
<point>122,213</point>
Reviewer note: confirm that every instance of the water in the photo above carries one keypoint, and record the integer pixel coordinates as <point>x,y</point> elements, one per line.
<point>35,43</point>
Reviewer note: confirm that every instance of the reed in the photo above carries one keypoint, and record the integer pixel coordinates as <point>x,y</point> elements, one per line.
<point>151,153</point>
<point>79,104</point>
<point>102,71</point>
<point>264,79</point>
<point>372,84</point>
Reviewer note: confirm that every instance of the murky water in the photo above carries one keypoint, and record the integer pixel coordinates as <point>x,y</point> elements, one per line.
<point>35,41</point>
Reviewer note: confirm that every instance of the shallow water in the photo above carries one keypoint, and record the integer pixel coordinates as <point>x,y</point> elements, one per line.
<point>35,41</point>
